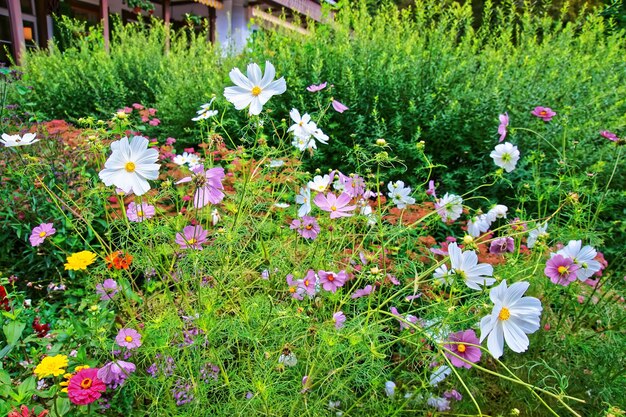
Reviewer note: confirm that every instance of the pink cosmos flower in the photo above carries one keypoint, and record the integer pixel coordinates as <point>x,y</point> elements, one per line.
<point>128,338</point>
<point>139,213</point>
<point>85,387</point>
<point>609,135</point>
<point>463,349</point>
<point>362,292</point>
<point>544,113</point>
<point>337,206</point>
<point>192,237</point>
<point>307,227</point>
<point>208,185</point>
<point>339,318</point>
<point>339,107</point>
<point>502,245</point>
<point>331,281</point>
<point>403,320</point>
<point>40,233</point>
<point>561,270</point>
<point>315,88</point>
<point>504,122</point>
<point>107,289</point>
<point>115,373</point>
<point>294,288</point>
<point>431,189</point>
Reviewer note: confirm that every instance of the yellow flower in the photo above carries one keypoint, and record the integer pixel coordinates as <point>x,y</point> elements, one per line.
<point>69,376</point>
<point>80,260</point>
<point>51,366</point>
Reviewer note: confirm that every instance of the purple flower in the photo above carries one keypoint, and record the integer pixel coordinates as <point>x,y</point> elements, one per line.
<point>209,372</point>
<point>192,237</point>
<point>337,206</point>
<point>504,122</point>
<point>544,113</point>
<point>128,338</point>
<point>339,318</point>
<point>431,189</point>
<point>139,213</point>
<point>331,281</point>
<point>40,233</point>
<point>440,403</point>
<point>453,394</point>
<point>107,289</point>
<point>403,320</point>
<point>208,185</point>
<point>114,373</point>
<point>362,292</point>
<point>463,349</point>
<point>339,107</point>
<point>315,88</point>
<point>561,270</point>
<point>353,185</point>
<point>182,392</point>
<point>609,135</point>
<point>502,245</point>
<point>307,227</point>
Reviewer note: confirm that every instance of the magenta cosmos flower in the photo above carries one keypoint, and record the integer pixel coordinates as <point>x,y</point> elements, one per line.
<point>107,289</point>
<point>85,387</point>
<point>463,349</point>
<point>362,292</point>
<point>609,135</point>
<point>307,227</point>
<point>331,280</point>
<point>208,185</point>
<point>544,113</point>
<point>139,212</point>
<point>192,237</point>
<point>336,206</point>
<point>339,318</point>
<point>561,270</point>
<point>40,233</point>
<point>128,338</point>
<point>504,123</point>
<point>315,88</point>
<point>339,107</point>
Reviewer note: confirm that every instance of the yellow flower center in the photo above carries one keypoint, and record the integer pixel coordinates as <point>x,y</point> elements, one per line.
<point>85,383</point>
<point>306,282</point>
<point>461,348</point>
<point>504,314</point>
<point>42,234</point>
<point>308,227</point>
<point>130,167</point>
<point>333,208</point>
<point>543,112</point>
<point>140,213</point>
<point>563,270</point>
<point>256,90</point>
<point>128,339</point>
<point>192,241</point>
<point>292,289</point>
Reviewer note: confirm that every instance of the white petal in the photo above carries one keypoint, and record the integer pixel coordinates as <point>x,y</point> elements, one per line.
<point>240,97</point>
<point>255,106</point>
<point>486,326</point>
<point>515,292</point>
<point>240,80</point>
<point>498,293</point>
<point>254,74</point>
<point>515,337</point>
<point>495,341</point>
<point>270,73</point>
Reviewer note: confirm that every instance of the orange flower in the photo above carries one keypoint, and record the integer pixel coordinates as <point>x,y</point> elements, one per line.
<point>119,260</point>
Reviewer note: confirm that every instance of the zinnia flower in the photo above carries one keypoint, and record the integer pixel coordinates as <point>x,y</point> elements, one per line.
<point>25,412</point>
<point>107,289</point>
<point>51,366</point>
<point>208,185</point>
<point>128,338</point>
<point>337,206</point>
<point>80,260</point>
<point>561,270</point>
<point>139,213</point>
<point>544,113</point>
<point>330,281</point>
<point>463,348</point>
<point>505,156</point>
<point>254,90</point>
<point>40,233</point>
<point>131,165</point>
<point>512,318</point>
<point>192,237</point>
<point>17,140</point>
<point>85,387</point>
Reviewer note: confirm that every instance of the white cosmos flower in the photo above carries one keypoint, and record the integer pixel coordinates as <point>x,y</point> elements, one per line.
<point>304,143</point>
<point>181,159</point>
<point>536,234</point>
<point>303,128</point>
<point>319,183</point>
<point>131,165</point>
<point>505,156</point>
<point>442,275</point>
<point>439,374</point>
<point>400,194</point>
<point>254,90</point>
<point>300,126</point>
<point>17,140</point>
<point>205,111</point>
<point>465,264</point>
<point>449,207</point>
<point>304,198</point>
<point>512,318</point>
<point>583,257</point>
<point>478,224</point>
<point>497,212</point>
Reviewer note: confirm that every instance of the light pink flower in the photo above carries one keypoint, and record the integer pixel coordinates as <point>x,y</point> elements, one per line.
<point>544,113</point>
<point>339,318</point>
<point>504,122</point>
<point>609,135</point>
<point>362,292</point>
<point>139,213</point>
<point>561,270</point>
<point>463,349</point>
<point>306,227</point>
<point>192,237</point>
<point>40,233</point>
<point>336,206</point>
<point>315,88</point>
<point>128,338</point>
<point>208,185</point>
<point>339,107</point>
<point>331,280</point>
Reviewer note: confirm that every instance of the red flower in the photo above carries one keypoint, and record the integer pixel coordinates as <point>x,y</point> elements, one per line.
<point>119,260</point>
<point>85,387</point>
<point>25,412</point>
<point>4,301</point>
<point>41,329</point>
